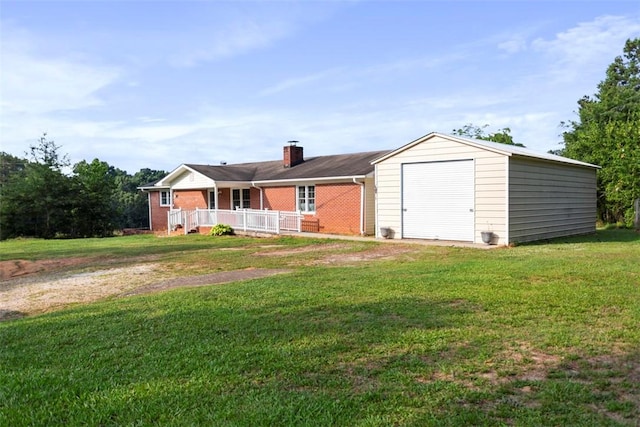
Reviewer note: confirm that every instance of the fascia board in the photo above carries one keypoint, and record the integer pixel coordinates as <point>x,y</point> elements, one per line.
<point>153,188</point>
<point>293,181</point>
<point>490,146</point>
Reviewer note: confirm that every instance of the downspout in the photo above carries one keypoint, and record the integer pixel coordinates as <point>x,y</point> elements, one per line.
<point>362,201</point>
<point>375,198</point>
<point>149,203</point>
<point>261,194</point>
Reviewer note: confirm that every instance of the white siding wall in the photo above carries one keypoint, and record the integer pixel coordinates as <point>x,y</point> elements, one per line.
<point>191,180</point>
<point>550,200</point>
<point>490,184</point>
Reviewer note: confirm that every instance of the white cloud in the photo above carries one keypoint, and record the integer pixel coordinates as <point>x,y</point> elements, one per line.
<point>145,119</point>
<point>37,93</point>
<point>299,81</point>
<point>514,45</point>
<point>588,46</point>
<point>34,84</point>
<point>341,79</point>
<point>235,38</point>
<point>414,64</point>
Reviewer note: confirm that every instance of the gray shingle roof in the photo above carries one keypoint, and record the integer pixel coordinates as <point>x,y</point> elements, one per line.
<point>339,165</point>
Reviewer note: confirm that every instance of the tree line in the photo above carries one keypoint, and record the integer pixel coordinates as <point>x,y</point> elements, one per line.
<point>607,133</point>
<point>38,199</point>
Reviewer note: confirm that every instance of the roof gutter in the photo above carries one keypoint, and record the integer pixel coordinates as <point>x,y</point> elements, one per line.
<point>152,188</point>
<point>294,180</point>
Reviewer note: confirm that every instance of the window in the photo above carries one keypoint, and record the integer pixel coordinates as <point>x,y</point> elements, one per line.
<point>307,198</point>
<point>165,198</point>
<point>241,198</point>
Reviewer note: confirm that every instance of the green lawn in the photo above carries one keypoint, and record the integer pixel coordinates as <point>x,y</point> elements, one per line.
<point>541,334</point>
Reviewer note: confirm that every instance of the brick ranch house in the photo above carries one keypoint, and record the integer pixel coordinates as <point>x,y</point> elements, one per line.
<point>439,187</point>
<point>334,194</point>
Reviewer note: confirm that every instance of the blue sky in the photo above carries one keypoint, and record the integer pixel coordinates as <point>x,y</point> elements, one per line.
<point>159,83</point>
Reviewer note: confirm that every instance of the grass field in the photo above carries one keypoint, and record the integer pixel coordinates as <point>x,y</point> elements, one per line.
<point>541,334</point>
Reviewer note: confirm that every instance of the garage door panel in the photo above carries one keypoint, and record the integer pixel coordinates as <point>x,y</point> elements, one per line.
<point>438,200</point>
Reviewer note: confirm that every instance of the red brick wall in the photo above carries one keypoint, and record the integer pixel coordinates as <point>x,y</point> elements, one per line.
<point>337,205</point>
<point>338,208</point>
<point>280,198</point>
<point>158,213</point>
<point>224,198</point>
<point>190,199</point>
<point>254,196</point>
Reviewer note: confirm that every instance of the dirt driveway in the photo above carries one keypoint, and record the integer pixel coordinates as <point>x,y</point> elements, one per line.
<point>31,287</point>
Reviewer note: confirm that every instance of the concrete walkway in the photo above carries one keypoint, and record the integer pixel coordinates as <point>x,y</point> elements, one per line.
<point>451,243</point>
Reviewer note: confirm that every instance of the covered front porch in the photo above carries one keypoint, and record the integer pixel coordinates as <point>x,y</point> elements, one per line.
<point>254,220</point>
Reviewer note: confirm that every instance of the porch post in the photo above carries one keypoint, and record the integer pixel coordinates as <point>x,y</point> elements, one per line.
<point>184,222</point>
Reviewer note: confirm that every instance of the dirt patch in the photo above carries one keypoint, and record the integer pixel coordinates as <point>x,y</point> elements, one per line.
<point>533,364</point>
<point>377,253</point>
<point>388,251</point>
<point>21,267</point>
<point>30,287</point>
<point>208,279</point>
<point>45,292</point>
<point>303,250</point>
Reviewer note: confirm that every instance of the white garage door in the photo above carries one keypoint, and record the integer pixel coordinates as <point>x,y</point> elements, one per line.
<point>438,200</point>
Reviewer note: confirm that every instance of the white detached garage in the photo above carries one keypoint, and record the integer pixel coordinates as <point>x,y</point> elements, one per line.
<point>452,188</point>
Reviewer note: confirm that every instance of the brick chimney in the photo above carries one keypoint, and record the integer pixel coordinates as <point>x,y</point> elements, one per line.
<point>292,155</point>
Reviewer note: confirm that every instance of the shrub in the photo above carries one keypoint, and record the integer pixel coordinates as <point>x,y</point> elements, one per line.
<point>221,230</point>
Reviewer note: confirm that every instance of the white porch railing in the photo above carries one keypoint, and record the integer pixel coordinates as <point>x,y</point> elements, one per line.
<point>241,219</point>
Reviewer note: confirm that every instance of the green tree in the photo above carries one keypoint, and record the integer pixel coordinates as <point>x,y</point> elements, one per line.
<point>503,136</point>
<point>94,209</point>
<point>607,133</point>
<point>133,205</point>
<point>9,165</point>
<point>36,200</point>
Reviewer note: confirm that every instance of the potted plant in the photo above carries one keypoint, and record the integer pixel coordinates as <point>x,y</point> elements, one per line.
<point>487,237</point>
